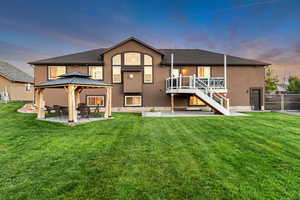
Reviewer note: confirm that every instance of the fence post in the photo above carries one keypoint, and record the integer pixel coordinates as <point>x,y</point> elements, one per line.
<point>282,102</point>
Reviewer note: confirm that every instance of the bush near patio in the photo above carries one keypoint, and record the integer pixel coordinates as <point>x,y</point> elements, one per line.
<point>130,157</point>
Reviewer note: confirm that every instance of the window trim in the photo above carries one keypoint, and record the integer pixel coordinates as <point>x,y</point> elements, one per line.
<point>137,52</point>
<point>112,68</point>
<point>86,100</point>
<point>203,66</point>
<point>89,69</point>
<point>125,104</point>
<point>48,71</point>
<point>143,62</point>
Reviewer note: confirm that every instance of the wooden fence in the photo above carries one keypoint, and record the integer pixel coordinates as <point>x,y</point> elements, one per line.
<point>282,102</point>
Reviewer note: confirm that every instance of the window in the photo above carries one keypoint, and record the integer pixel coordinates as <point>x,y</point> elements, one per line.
<point>95,100</point>
<point>203,72</point>
<point>133,100</point>
<point>55,71</point>
<point>116,69</point>
<point>96,72</point>
<point>195,101</point>
<point>132,59</point>
<point>116,60</point>
<point>27,87</point>
<point>148,69</point>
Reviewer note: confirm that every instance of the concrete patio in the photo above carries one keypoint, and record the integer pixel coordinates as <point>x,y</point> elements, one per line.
<point>187,114</point>
<point>64,120</point>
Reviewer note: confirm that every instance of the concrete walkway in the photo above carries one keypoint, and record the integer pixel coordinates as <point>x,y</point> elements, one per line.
<point>187,114</point>
<point>290,112</point>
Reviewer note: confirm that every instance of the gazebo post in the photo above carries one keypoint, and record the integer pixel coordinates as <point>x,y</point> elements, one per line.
<point>110,100</point>
<point>72,115</point>
<point>41,103</point>
<point>77,95</point>
<point>107,103</point>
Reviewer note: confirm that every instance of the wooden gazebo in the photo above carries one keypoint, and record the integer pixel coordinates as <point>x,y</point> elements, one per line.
<point>73,83</point>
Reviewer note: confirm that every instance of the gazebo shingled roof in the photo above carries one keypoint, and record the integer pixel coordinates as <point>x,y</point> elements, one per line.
<point>76,78</point>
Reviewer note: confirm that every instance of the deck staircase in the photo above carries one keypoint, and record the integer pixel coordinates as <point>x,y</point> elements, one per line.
<point>209,90</point>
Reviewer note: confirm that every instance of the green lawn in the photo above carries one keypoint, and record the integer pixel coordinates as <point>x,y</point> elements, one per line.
<point>130,157</point>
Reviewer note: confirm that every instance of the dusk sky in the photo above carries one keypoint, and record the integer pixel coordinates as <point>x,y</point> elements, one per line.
<point>267,30</point>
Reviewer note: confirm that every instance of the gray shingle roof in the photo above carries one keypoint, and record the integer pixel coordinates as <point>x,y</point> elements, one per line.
<point>74,78</point>
<point>14,74</point>
<point>86,57</point>
<point>202,57</point>
<point>181,57</point>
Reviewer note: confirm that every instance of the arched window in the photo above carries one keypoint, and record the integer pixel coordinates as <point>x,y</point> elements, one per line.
<point>116,68</point>
<point>148,69</point>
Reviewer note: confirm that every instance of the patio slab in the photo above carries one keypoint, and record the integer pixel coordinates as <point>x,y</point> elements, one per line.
<point>64,120</point>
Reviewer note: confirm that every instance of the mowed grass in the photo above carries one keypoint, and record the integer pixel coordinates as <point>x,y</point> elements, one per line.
<point>130,157</point>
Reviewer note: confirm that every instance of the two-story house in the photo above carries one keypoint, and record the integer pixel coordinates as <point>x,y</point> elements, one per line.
<point>144,77</point>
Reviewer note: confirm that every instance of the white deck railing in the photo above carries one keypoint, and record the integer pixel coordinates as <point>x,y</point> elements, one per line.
<point>193,82</point>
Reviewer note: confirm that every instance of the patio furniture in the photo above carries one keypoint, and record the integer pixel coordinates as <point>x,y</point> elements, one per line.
<point>64,110</point>
<point>84,111</point>
<point>49,109</point>
<point>57,110</point>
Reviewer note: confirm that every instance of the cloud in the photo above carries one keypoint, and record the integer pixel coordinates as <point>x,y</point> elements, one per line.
<point>272,54</point>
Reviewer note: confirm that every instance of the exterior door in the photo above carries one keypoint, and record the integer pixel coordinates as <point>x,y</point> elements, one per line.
<point>256,98</point>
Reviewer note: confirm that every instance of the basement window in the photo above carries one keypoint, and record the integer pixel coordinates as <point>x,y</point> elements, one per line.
<point>95,100</point>
<point>133,101</point>
<point>195,101</point>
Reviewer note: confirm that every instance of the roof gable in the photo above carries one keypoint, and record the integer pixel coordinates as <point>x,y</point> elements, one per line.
<point>135,40</point>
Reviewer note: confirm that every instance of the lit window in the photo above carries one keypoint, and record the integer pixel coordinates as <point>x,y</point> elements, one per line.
<point>195,101</point>
<point>147,60</point>
<point>55,71</point>
<point>116,69</point>
<point>95,100</point>
<point>203,72</point>
<point>96,72</point>
<point>147,74</point>
<point>116,60</point>
<point>27,87</point>
<point>148,68</point>
<point>133,101</point>
<point>117,74</point>
<point>132,59</point>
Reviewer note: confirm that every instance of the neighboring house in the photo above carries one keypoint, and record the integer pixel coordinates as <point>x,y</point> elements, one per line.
<point>16,83</point>
<point>140,77</point>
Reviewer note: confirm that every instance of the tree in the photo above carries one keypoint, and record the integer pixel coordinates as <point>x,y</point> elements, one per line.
<point>270,82</point>
<point>294,84</point>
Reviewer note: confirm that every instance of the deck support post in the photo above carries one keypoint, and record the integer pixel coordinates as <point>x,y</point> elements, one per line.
<point>225,72</point>
<point>172,102</point>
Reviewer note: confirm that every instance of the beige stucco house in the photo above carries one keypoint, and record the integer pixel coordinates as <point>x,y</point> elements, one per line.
<point>15,83</point>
